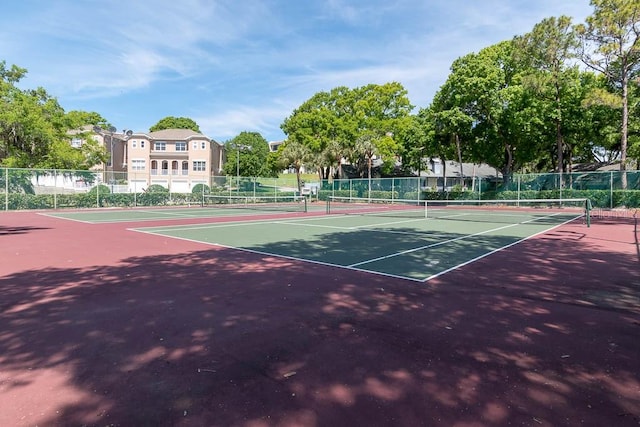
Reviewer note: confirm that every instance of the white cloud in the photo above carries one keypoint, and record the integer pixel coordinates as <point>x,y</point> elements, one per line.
<point>227,124</point>
<point>232,59</point>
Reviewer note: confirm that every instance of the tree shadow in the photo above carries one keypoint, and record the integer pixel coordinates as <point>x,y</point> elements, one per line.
<point>225,337</point>
<point>6,231</point>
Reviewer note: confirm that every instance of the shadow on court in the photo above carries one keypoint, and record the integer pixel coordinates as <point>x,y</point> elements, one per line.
<point>4,230</point>
<point>545,335</point>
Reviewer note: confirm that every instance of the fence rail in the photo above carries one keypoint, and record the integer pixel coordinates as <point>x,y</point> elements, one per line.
<point>55,189</point>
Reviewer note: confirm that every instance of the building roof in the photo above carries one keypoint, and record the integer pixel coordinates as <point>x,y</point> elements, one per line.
<point>175,135</point>
<point>469,170</point>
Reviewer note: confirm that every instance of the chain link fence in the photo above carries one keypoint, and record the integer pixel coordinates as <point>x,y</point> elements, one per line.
<point>56,189</point>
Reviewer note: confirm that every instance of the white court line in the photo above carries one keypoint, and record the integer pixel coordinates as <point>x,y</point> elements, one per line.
<point>353,267</point>
<point>433,276</point>
<point>62,217</point>
<point>408,251</point>
<point>253,251</point>
<point>290,221</point>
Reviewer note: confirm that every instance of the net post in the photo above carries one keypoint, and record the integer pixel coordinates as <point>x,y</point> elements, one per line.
<point>328,208</point>
<point>587,213</point>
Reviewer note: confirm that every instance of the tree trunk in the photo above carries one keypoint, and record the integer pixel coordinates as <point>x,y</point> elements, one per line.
<point>462,184</point>
<point>625,131</point>
<point>298,179</point>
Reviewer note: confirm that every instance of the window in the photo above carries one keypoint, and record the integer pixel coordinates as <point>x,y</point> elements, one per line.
<point>181,146</point>
<point>199,165</point>
<point>160,146</point>
<point>134,144</point>
<point>203,145</point>
<point>195,145</point>
<point>185,168</point>
<point>137,164</point>
<point>141,144</point>
<point>165,167</point>
<point>154,167</point>
<point>76,142</point>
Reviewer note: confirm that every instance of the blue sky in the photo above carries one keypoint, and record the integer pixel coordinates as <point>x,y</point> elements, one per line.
<point>236,65</point>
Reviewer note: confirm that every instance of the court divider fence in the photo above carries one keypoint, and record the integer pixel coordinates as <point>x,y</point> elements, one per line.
<point>22,189</point>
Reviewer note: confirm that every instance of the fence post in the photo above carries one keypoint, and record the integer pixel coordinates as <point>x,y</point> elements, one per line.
<point>611,190</point>
<point>560,184</point>
<point>6,189</point>
<point>55,189</point>
<point>393,186</point>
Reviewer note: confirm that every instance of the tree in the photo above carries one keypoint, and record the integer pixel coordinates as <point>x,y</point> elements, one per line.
<point>247,154</point>
<point>294,155</point>
<point>171,122</point>
<point>483,92</point>
<point>366,149</point>
<point>342,115</point>
<point>545,51</point>
<point>25,134</point>
<point>34,128</point>
<point>333,154</point>
<point>611,45</point>
<point>416,138</point>
<point>77,119</point>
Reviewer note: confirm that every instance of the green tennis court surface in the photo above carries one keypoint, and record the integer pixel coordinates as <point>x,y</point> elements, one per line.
<point>412,248</point>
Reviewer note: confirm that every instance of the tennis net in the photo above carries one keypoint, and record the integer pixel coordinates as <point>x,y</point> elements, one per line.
<point>284,203</point>
<point>553,211</point>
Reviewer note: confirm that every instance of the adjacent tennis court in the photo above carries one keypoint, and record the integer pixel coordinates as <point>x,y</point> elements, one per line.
<point>409,240</point>
<point>212,206</point>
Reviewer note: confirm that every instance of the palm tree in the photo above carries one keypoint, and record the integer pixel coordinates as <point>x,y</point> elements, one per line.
<point>333,153</point>
<point>295,155</point>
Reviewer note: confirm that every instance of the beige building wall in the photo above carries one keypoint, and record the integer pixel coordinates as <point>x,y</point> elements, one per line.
<point>177,159</point>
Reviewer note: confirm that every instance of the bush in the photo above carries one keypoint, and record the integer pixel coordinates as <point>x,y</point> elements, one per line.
<point>156,188</point>
<point>201,189</point>
<point>100,189</point>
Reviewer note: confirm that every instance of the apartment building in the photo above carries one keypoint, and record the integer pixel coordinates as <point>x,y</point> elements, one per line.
<point>177,159</point>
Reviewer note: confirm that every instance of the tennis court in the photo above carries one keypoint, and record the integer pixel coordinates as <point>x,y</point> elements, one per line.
<point>259,316</point>
<point>393,239</point>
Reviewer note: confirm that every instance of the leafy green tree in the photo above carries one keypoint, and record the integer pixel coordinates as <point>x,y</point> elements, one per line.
<point>171,122</point>
<point>342,115</point>
<point>484,91</point>
<point>326,118</point>
<point>545,53</point>
<point>273,166</point>
<point>34,128</point>
<point>634,124</point>
<point>77,119</point>
<point>416,138</point>
<point>611,45</point>
<point>247,154</point>
<point>30,121</point>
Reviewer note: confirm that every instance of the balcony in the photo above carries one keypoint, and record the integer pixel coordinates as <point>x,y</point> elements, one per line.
<point>174,172</point>
<point>169,155</point>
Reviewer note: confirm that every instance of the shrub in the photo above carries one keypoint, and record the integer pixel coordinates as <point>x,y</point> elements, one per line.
<point>201,189</point>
